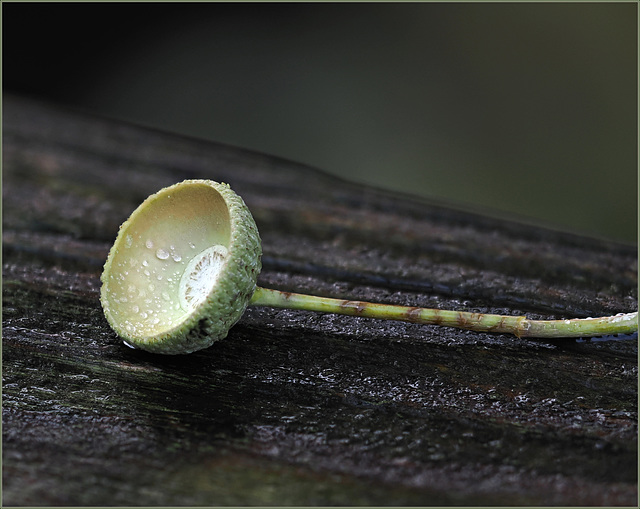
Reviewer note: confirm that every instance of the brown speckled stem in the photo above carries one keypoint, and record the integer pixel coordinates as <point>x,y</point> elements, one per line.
<point>520,326</point>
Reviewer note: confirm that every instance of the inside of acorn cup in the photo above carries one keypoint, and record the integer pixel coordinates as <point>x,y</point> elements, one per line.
<point>167,258</point>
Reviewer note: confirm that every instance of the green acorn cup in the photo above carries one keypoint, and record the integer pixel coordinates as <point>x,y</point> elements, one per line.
<point>184,267</point>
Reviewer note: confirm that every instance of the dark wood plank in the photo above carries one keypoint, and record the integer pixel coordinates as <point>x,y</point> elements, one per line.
<point>297,408</point>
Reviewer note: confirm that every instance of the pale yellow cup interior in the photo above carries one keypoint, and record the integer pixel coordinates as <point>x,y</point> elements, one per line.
<point>170,232</point>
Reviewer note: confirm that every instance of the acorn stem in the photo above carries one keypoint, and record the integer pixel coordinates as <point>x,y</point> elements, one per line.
<point>520,326</point>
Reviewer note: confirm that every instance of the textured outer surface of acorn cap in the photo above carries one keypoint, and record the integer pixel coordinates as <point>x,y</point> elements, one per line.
<point>141,281</point>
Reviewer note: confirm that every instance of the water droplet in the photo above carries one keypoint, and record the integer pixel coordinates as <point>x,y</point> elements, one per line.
<point>152,287</point>
<point>145,263</point>
<point>176,257</point>
<point>135,309</point>
<point>162,254</point>
<point>192,245</point>
<point>143,314</point>
<point>165,296</point>
<point>149,244</point>
<point>128,240</point>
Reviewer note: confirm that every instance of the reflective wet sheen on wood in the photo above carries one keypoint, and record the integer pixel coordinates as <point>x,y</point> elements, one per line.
<point>300,408</point>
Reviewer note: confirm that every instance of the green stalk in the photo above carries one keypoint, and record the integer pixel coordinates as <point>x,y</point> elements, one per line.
<point>520,326</point>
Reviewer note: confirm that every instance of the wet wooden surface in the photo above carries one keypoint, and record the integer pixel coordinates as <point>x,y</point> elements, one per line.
<point>297,408</point>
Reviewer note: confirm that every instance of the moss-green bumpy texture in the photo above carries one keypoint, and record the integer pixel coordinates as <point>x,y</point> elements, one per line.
<point>227,300</point>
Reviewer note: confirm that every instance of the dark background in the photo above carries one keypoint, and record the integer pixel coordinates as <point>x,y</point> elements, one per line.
<point>523,110</point>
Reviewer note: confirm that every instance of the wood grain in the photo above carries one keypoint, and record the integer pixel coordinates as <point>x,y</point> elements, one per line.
<point>299,408</point>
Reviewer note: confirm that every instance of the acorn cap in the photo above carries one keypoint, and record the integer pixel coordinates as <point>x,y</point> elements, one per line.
<point>182,269</point>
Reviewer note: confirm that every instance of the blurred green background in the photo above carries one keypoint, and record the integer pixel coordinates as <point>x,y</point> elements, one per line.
<point>525,110</point>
